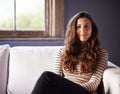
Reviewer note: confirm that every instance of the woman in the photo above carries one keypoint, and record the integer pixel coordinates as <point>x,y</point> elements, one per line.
<point>80,63</point>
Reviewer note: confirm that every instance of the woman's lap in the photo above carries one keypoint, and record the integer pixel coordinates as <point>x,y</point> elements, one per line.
<point>55,84</point>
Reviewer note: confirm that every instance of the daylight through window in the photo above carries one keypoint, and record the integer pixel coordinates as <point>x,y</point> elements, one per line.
<point>31,19</point>
<point>22,14</point>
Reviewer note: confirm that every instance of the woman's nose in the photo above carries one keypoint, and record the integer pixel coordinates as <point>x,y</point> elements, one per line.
<point>82,30</point>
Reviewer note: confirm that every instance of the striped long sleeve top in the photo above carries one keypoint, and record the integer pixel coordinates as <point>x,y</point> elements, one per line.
<point>90,81</point>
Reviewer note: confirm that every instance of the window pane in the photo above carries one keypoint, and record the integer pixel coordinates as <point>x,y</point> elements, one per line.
<point>6,14</point>
<point>30,15</point>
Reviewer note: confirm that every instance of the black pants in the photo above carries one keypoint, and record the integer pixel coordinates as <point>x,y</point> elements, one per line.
<point>50,83</point>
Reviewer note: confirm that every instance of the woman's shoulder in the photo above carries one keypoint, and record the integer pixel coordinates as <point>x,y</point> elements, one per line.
<point>103,51</point>
<point>61,50</point>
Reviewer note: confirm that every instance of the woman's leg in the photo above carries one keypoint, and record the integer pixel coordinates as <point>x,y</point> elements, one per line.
<point>50,83</point>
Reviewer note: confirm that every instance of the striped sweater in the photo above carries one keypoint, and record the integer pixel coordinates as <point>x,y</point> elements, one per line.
<point>90,81</point>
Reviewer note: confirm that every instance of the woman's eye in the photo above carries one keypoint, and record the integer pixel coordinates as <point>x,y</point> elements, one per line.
<point>78,26</point>
<point>87,26</point>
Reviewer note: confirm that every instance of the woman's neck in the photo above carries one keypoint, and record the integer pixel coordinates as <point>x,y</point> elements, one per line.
<point>83,44</point>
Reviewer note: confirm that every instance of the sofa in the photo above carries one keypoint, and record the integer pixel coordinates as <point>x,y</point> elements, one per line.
<point>21,66</point>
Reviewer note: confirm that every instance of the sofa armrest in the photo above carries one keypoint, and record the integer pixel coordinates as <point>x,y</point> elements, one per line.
<point>4,54</point>
<point>111,80</point>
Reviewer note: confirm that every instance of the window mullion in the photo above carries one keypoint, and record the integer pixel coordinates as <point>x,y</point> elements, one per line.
<point>14,22</point>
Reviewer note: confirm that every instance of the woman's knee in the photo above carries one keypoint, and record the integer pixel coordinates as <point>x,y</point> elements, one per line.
<point>47,74</point>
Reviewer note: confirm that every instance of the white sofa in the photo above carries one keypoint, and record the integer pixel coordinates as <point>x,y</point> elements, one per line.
<point>21,66</point>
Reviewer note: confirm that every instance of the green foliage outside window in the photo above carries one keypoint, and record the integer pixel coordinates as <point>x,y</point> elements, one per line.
<point>25,22</point>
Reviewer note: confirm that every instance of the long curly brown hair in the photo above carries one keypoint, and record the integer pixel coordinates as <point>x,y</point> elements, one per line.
<point>88,55</point>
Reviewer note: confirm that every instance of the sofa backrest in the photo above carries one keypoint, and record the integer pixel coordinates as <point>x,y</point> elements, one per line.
<point>26,65</point>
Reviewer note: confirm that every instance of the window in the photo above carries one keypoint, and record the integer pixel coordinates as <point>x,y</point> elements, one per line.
<point>32,19</point>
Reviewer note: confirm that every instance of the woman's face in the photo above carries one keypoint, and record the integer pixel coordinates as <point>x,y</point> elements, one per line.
<point>84,29</point>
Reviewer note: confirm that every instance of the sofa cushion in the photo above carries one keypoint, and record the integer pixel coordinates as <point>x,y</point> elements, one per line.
<point>111,80</point>
<point>26,65</point>
<point>4,53</point>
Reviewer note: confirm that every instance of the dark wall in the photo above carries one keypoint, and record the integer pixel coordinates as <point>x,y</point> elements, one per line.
<point>33,43</point>
<point>107,16</point>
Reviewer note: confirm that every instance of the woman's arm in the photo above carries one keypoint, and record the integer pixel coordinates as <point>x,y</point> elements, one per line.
<point>93,83</point>
<point>57,64</point>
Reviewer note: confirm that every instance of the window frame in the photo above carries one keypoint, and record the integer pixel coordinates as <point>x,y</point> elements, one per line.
<point>54,19</point>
